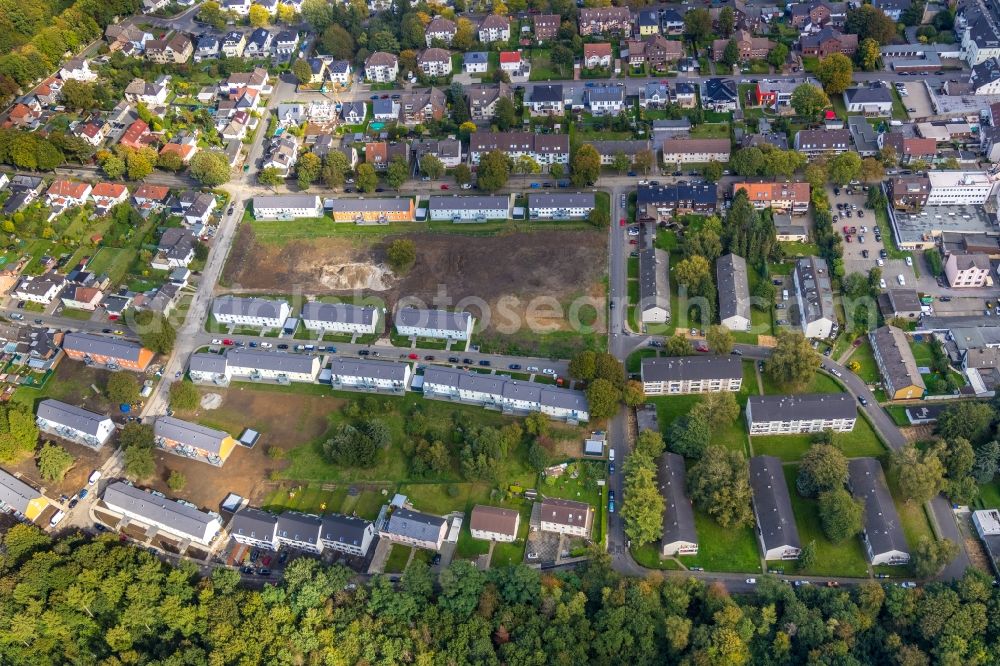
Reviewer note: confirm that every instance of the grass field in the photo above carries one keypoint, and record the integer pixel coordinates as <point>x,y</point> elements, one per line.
<point>307,499</point>
<point>862,441</point>
<point>505,554</point>
<point>820,383</point>
<point>868,372</point>
<point>989,495</point>
<point>723,549</point>
<point>832,559</point>
<point>399,555</point>
<point>710,131</point>
<point>648,556</point>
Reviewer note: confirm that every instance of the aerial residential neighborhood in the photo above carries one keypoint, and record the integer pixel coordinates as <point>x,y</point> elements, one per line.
<point>346,295</point>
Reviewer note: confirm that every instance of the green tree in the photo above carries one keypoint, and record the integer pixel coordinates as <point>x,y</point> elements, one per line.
<point>984,468</point>
<point>139,463</point>
<point>113,167</point>
<point>697,25</point>
<point>823,468</point>
<point>689,435</point>
<point>621,162</point>
<point>793,361</point>
<point>583,365</point>
<point>176,481</point>
<point>642,509</point>
<point>337,42</point>
<point>78,95</point>
<point>966,420</point>
<point>599,217</point>
<point>808,100</point>
<point>844,167</point>
<point>136,435</point>
<point>155,332</point>
<point>210,12</point>
<point>731,54</point>
<point>397,173</point>
<point>719,485</point>
<point>720,339</point>
<point>644,160</point>
<point>210,168</point>
<point>807,557</point>
<point>184,396</point>
<point>367,181</point>
<point>777,56</point>
<point>494,170</point>
<point>505,115</point>
<point>401,253</point>
<point>719,409</point>
<point>431,166</point>
<point>462,174</point>
<point>54,461</point>
<point>868,22</point>
<point>726,21</point>
<point>840,514</point>
<point>22,539</point>
<point>872,171</point>
<point>308,169</point>
<point>302,71</point>
<point>258,16</point>
<point>869,54</point>
<point>271,177</point>
<point>603,398</point>
<point>712,172</point>
<point>678,345</point>
<point>357,445</point>
<point>920,475</point>
<point>650,443</point>
<point>123,388</point>
<point>634,393</point>
<point>931,556</point>
<point>585,166</point>
<point>836,73</point>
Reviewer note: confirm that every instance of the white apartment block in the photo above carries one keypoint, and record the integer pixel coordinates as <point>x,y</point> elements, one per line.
<point>165,515</point>
<point>797,414</point>
<point>339,318</point>
<point>439,324</point>
<point>73,423</point>
<point>282,367</point>
<point>382,67</point>
<point>566,517</point>
<point>691,374</point>
<point>958,188</point>
<point>287,207</point>
<point>493,523</point>
<point>251,312</point>
<point>369,375</point>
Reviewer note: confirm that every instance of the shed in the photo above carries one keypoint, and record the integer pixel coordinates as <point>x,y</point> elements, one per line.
<point>249,438</point>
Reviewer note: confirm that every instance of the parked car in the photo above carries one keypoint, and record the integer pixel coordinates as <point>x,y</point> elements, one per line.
<point>484,363</point>
<point>514,366</point>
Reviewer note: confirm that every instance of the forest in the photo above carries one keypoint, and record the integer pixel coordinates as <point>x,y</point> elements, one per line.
<point>84,601</point>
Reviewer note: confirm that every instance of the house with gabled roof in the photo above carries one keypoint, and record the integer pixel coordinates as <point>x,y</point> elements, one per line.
<point>772,507</point>
<point>74,424</point>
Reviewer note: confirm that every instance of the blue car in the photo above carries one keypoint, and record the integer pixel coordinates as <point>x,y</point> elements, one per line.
<point>611,468</point>
<point>611,501</point>
<point>82,493</point>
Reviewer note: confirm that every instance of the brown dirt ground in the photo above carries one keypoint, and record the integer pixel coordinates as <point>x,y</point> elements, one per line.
<point>285,420</point>
<point>523,265</point>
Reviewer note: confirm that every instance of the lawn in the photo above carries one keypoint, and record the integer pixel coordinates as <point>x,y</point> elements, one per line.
<point>648,555</point>
<point>506,554</point>
<point>989,496</point>
<point>399,555</point>
<point>832,559</point>
<point>921,353</point>
<point>898,414</point>
<point>799,249</point>
<point>723,548</point>
<point>542,68</point>
<point>307,499</point>
<point>113,261</point>
<point>634,361</point>
<point>862,441</point>
<point>581,489</point>
<point>892,248</point>
<point>710,131</point>
<point>911,514</point>
<point>820,383</point>
<point>868,370</point>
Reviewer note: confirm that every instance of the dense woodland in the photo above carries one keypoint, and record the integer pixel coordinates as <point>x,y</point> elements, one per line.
<point>101,602</point>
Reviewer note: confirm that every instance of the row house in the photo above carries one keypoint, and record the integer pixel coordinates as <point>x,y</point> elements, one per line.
<point>602,20</point>
<point>656,51</point>
<point>494,28</point>
<point>883,536</point>
<point>560,516</point>
<point>545,149</point>
<point>369,375</point>
<point>679,534</point>
<point>687,151</point>
<point>259,529</point>
<point>413,528</point>
<point>275,366</point>
<point>608,150</point>
<point>435,324</point>
<point>494,523</point>
<point>113,353</point>
<point>469,208</point>
<point>597,56</point>
<point>819,141</point>
<point>287,206</point>
<point>777,532</point>
<point>193,440</point>
<point>250,312</point>
<point>781,197</point>
<point>732,281</point>
<point>73,423</point>
<point>180,520</point>
<point>799,414</point>
<point>654,286</point>
<point>372,211</point>
<point>340,318</point>
<point>909,148</point>
<point>20,499</point>
<point>683,375</point>
<point>560,205</point>
<point>660,203</point>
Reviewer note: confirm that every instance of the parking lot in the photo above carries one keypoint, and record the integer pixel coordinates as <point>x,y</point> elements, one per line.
<point>865,240</point>
<point>918,99</point>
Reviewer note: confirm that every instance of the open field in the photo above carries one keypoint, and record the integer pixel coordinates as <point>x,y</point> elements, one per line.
<point>71,382</point>
<point>520,285</point>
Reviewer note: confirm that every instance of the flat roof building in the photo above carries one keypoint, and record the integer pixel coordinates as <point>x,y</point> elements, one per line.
<point>804,413</point>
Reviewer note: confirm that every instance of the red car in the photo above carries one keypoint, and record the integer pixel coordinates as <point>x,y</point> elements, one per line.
<point>414,357</point>
<point>266,561</point>
<point>112,317</point>
<point>621,223</point>
<point>633,242</point>
<point>444,187</point>
<point>227,342</point>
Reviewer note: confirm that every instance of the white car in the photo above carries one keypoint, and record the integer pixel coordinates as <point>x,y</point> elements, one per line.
<point>466,186</point>
<point>881,283</point>
<point>901,280</point>
<point>216,341</point>
<point>549,371</point>
<point>751,581</point>
<point>633,231</point>
<point>266,345</point>
<point>909,261</point>
<point>532,368</point>
<point>880,263</point>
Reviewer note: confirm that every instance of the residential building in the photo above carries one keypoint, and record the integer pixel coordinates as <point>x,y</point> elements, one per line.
<point>493,523</point>
<point>287,206</point>
<point>987,524</point>
<point>441,29</point>
<point>449,151</point>
<point>780,197</point>
<point>603,100</point>
<point>901,303</point>
<point>510,62</point>
<point>434,62</point>
<point>63,194</point>
<point>19,498</point>
<point>38,348</point>
<point>688,151</point>
<point>77,69</point>
<point>892,8</point>
<point>300,531</point>
<point>418,107</point>
<point>283,154</point>
<point>41,289</point>
<point>414,528</point>
<point>827,42</point>
<point>681,375</point>
<point>597,56</point>
<point>119,35</point>
<point>372,211</point>
<point>656,51</point>
<point>818,14</point>
<point>82,298</point>
<point>494,28</point>
<point>207,368</point>
<point>192,440</point>
<point>277,366</point>
<point>871,101</point>
<point>200,210</point>
<point>382,67</point>
<point>339,72</point>
<point>560,206</point>
<point>383,110</point>
<point>353,113</point>
<point>608,150</point>
<point>150,94</point>
<point>883,537</point>
<point>483,98</point>
<point>546,27</point>
<point>258,44</point>
<point>108,195</point>
<point>679,534</point>
<point>909,192</point>
<point>602,20</point>
<point>819,141</point>
<point>901,379</point>
<point>909,148</point>
<point>285,42</point>
<point>469,208</point>
<point>544,149</point>
<point>255,528</point>
<point>814,297</point>
<point>438,324</point>
<point>476,62</point>
<point>772,509</point>
<point>750,47</point>
<point>734,292</point>
<point>250,312</point>
<point>340,318</point>
<point>803,413</point>
<point>176,49</point>
<point>968,271</point>
<point>654,286</point>
<point>785,230</point>
<point>547,99</point>
<point>565,517</point>
<point>108,351</point>
<point>956,188</point>
<point>661,202</point>
<point>671,20</point>
<point>347,534</point>
<point>647,22</point>
<point>23,191</point>
<point>161,514</point>
<point>73,423</point>
<point>233,44</point>
<point>369,375</point>
<point>720,95</point>
<point>774,94</point>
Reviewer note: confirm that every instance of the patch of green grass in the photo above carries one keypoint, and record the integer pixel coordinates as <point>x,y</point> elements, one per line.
<point>898,414</point>
<point>648,555</point>
<point>868,370</point>
<point>846,558</point>
<point>989,495</point>
<point>73,313</point>
<point>307,499</point>
<point>710,131</point>
<point>399,555</point>
<point>799,249</point>
<point>921,352</point>
<point>862,441</point>
<point>634,361</point>
<point>723,548</point>
<point>912,515</point>
<point>820,383</point>
<point>882,219</point>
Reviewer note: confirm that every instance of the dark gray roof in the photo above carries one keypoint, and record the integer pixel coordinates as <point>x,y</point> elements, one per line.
<point>882,526</point>
<point>868,95</point>
<point>546,93</point>
<point>813,278</point>
<point>87,343</point>
<point>561,200</point>
<point>670,195</point>
<point>414,524</point>
<point>720,90</point>
<point>180,518</point>
<point>70,416</point>
<point>691,368</point>
<point>678,516</point>
<point>204,362</point>
<point>566,512</point>
<point>247,307</point>
<point>343,529</point>
<point>436,319</point>
<point>468,203</point>
<point>254,523</point>
<point>342,205</point>
<point>766,408</point>
<point>776,521</point>
<point>734,287</point>
<point>192,434</point>
<point>654,281</point>
<point>338,312</point>
<point>898,363</point>
<point>276,361</point>
<point>286,201</point>
<point>16,493</point>
<point>547,396</point>
<point>299,527</point>
<point>349,367</point>
<point>606,94</point>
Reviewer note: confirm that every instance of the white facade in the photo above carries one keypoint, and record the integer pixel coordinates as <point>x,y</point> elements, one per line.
<point>339,318</point>
<point>685,386</point>
<point>287,207</point>
<point>437,324</point>
<point>957,188</point>
<point>364,375</point>
<point>252,312</point>
<point>797,423</point>
<point>74,424</point>
<point>566,517</point>
<point>434,66</point>
<point>78,70</point>
<point>469,208</point>
<point>43,292</point>
<point>272,366</point>
<point>358,548</point>
<point>382,69</point>
<point>165,515</point>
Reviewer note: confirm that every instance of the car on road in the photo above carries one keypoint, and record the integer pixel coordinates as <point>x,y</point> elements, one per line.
<point>881,282</point>
<point>909,585</point>
<point>17,317</point>
<point>909,261</point>
<point>282,346</point>
<point>514,366</point>
<point>833,583</point>
<point>38,321</point>
<point>453,359</point>
<point>73,502</point>
<point>283,557</point>
<point>413,357</point>
<point>611,501</point>
<point>83,493</point>
<point>621,222</point>
<point>549,371</point>
<point>944,299</point>
<point>268,345</point>
<point>751,581</point>
<point>248,570</point>
<point>611,468</point>
<point>633,231</point>
<point>116,332</point>
<point>863,400</point>
<point>532,368</point>
<point>880,262</point>
<point>484,363</point>
<point>227,342</point>
<point>20,305</point>
<point>95,476</point>
<point>467,361</point>
<point>633,242</point>
<point>266,561</point>
<point>444,186</point>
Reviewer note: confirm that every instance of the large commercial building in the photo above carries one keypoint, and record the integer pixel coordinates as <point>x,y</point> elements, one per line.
<point>958,188</point>
<point>162,514</point>
<point>772,508</point>
<point>439,324</point>
<point>654,286</point>
<point>679,375</point>
<point>796,414</point>
<point>734,292</point>
<point>883,537</point>
<point>73,423</point>
<point>814,297</point>
<point>679,534</point>
<point>900,377</point>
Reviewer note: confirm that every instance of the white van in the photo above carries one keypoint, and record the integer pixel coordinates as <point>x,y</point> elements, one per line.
<point>611,455</point>
<point>56,518</point>
<point>784,294</point>
<point>94,476</point>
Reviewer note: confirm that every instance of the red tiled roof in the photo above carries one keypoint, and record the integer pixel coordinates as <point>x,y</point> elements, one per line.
<point>510,56</point>
<point>67,188</point>
<point>109,190</point>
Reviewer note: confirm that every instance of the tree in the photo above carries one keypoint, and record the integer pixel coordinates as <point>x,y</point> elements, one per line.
<point>719,409</point>
<point>259,17</point>
<point>808,100</point>
<point>688,435</point>
<point>136,435</point>
<point>462,174</point>
<point>271,177</point>
<point>868,22</point>
<point>793,361</point>
<point>337,42</point>
<point>644,160</point>
<point>184,396</point>
<point>634,394</point>
<point>712,171</point>
<point>357,445</point>
<point>921,475</point>
<point>302,71</point>
<point>465,35</point>
<point>599,218</point>
<point>505,116</point>
<point>123,388</point>
<point>397,173</point>
<point>931,556</point>
<point>155,332</point>
<point>286,13</point>
<point>176,481</point>
<point>836,73</point>
<point>869,54</point>
<point>79,95</point>
<point>840,514</point>
<point>642,509</point>
<point>585,166</point>
<point>308,169</point>
<point>139,463</point>
<point>210,168</point>
<point>966,420</point>
<point>719,485</point>
<point>807,557</point>
<point>431,166</point>
<point>984,469</point>
<point>583,365</point>
<point>731,54</point>
<point>720,339</point>
<point>211,13</point>
<point>872,171</point>
<point>620,162</point>
<point>777,56</point>
<point>113,167</point>
<point>650,443</point>
<point>562,56</point>
<point>726,21</point>
<point>402,253</point>
<point>697,25</point>
<point>844,167</point>
<point>603,399</point>
<point>678,345</point>
<point>18,433</point>
<point>694,273</point>
<point>53,461</point>
<point>822,468</point>
<point>367,181</point>
<point>494,170</point>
